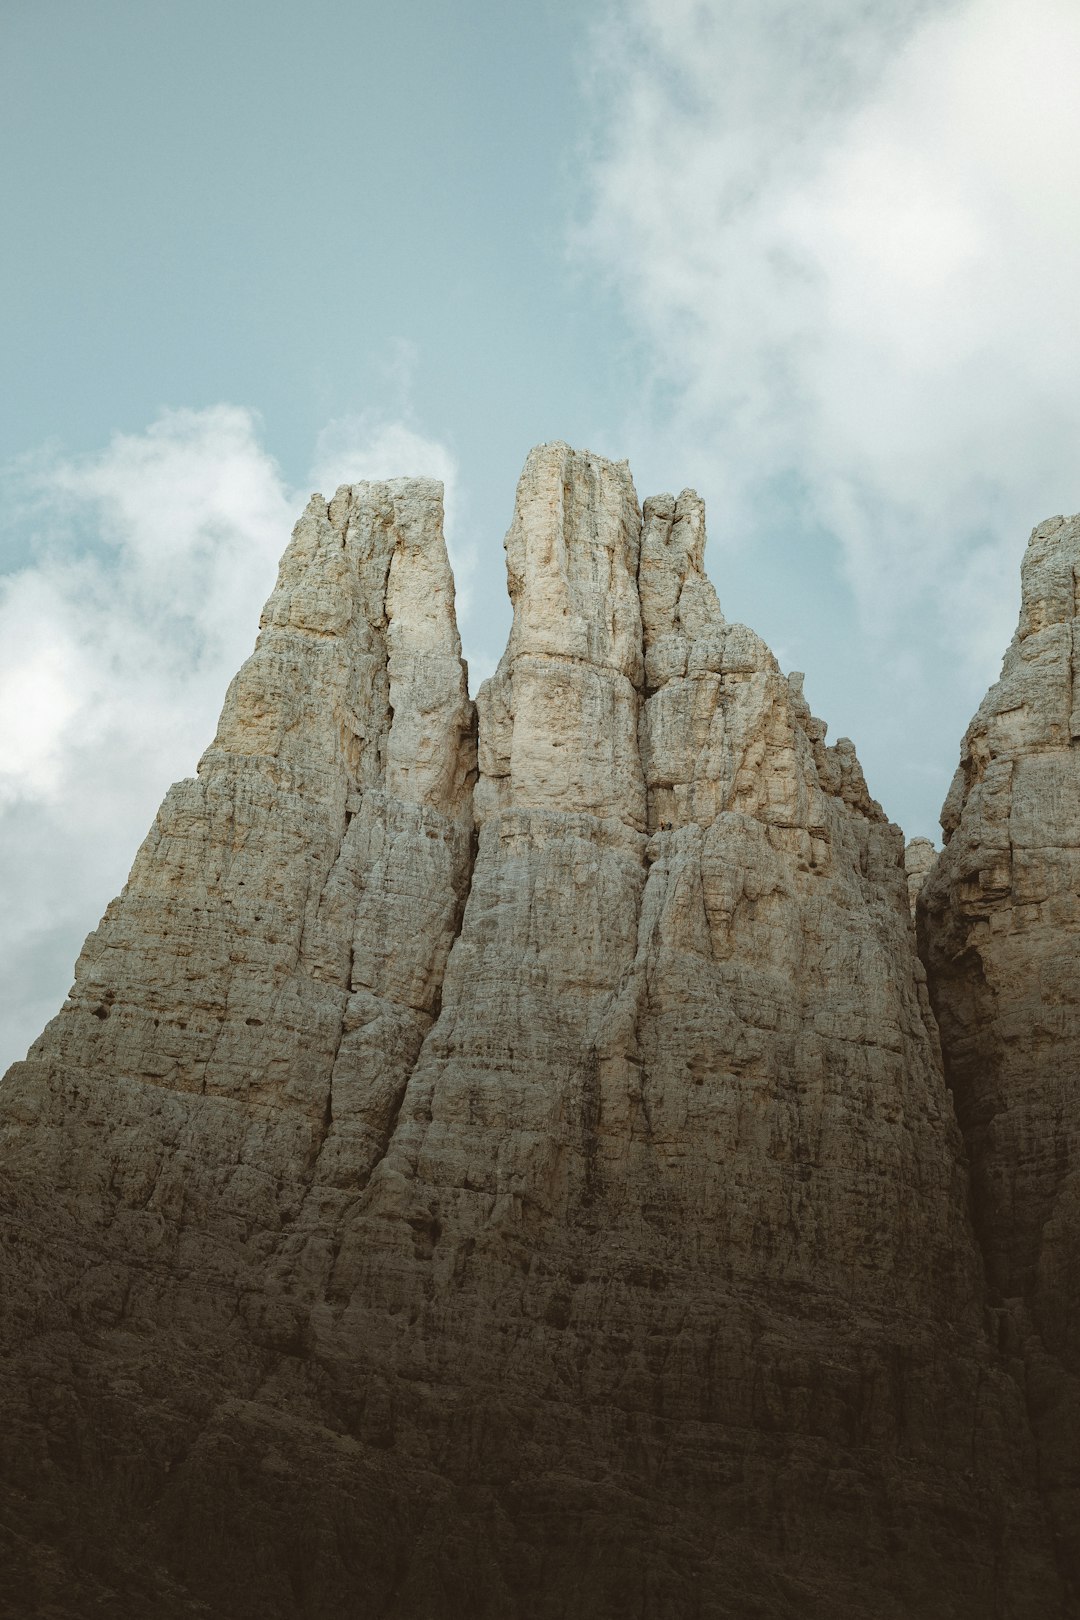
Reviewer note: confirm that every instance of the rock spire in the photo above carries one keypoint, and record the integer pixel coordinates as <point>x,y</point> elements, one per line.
<point>1000,929</point>
<point>498,1162</point>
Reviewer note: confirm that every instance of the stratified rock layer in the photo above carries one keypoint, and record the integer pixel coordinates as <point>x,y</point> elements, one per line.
<point>1000,928</point>
<point>537,1198</point>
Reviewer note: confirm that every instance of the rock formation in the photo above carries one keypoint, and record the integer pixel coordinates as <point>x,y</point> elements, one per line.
<point>919,857</point>
<point>1000,929</point>
<point>499,1164</point>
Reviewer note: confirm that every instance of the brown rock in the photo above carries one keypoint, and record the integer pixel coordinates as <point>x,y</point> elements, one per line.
<point>919,857</point>
<point>576,1228</point>
<point>1000,931</point>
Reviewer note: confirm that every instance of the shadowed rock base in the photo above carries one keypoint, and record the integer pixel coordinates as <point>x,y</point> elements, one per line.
<point>1000,929</point>
<point>504,1169</point>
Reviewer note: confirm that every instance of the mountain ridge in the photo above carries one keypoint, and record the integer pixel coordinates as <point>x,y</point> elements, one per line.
<point>538,1192</point>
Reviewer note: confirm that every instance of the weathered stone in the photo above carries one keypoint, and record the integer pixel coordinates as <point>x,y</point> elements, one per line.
<point>919,857</point>
<point>565,1220</point>
<point>247,1012</point>
<point>1000,931</point>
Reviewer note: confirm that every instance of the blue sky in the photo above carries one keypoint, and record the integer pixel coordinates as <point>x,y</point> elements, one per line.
<point>346,207</point>
<point>817,260</point>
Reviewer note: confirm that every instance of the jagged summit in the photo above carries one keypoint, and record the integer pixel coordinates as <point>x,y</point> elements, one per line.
<point>496,1160</point>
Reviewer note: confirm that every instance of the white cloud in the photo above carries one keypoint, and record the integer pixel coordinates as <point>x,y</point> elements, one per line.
<point>149,563</point>
<point>848,233</point>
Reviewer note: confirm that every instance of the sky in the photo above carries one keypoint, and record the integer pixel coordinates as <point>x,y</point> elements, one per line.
<point>816,258</point>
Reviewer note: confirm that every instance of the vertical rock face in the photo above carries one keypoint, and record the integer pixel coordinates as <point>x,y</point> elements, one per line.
<point>919,857</point>
<point>1000,930</point>
<point>507,1175</point>
<point>227,963</point>
<point>244,1017</point>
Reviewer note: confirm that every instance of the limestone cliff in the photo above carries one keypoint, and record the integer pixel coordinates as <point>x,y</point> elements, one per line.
<point>1000,927</point>
<point>919,857</point>
<point>506,1170</point>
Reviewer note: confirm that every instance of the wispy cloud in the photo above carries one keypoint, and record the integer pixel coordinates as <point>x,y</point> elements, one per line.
<point>848,234</point>
<point>149,562</point>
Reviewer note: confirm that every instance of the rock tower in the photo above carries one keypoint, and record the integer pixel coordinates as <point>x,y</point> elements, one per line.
<point>498,1162</point>
<point>1000,930</point>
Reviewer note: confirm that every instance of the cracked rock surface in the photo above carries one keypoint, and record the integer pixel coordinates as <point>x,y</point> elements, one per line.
<point>498,1163</point>
<point>1000,929</point>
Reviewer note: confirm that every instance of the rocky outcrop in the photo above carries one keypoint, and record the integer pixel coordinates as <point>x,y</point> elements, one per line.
<point>536,1192</point>
<point>1000,930</point>
<point>919,857</point>
<point>246,1013</point>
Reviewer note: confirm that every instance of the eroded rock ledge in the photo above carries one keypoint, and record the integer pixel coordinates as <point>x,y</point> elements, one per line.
<point>499,1163</point>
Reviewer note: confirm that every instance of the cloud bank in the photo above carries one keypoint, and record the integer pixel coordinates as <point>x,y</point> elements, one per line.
<point>150,563</point>
<point>847,234</point>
